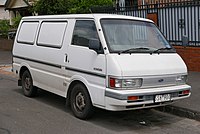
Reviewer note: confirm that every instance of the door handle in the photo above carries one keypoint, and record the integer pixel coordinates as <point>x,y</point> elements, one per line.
<point>66,56</point>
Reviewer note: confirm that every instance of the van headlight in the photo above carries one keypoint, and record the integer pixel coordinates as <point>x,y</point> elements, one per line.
<point>125,83</point>
<point>181,79</point>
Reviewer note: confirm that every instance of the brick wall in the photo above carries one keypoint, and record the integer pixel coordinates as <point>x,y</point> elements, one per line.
<point>6,44</point>
<point>191,56</point>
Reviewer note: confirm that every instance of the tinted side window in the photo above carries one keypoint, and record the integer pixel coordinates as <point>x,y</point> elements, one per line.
<point>27,32</point>
<point>84,31</point>
<point>51,34</point>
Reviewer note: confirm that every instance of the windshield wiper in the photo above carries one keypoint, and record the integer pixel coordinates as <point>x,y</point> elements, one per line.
<point>160,49</point>
<point>133,49</point>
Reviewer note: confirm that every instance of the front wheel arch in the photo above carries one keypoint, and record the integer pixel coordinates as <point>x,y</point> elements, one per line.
<point>78,96</point>
<point>22,70</point>
<point>72,84</point>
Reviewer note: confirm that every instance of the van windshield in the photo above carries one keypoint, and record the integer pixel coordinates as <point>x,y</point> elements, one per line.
<point>129,36</point>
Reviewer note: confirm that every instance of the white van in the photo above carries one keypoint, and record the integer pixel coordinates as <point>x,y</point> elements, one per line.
<point>113,62</point>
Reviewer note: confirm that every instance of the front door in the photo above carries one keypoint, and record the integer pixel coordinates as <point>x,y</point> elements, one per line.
<point>84,62</point>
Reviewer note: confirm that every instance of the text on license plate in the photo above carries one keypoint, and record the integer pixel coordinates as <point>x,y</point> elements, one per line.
<point>162,98</point>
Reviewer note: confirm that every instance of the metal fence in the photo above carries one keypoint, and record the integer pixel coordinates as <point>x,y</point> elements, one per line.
<point>175,19</point>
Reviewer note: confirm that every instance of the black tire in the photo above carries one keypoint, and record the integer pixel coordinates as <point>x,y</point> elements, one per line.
<point>27,85</point>
<point>80,102</point>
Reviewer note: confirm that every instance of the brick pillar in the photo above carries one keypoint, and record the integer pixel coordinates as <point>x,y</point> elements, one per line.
<point>191,56</point>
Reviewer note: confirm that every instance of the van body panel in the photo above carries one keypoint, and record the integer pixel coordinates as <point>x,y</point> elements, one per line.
<point>113,67</point>
<point>92,66</point>
<point>95,87</point>
<point>44,73</point>
<point>45,63</point>
<point>136,65</point>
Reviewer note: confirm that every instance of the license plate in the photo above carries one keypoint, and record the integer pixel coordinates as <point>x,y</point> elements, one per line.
<point>162,98</point>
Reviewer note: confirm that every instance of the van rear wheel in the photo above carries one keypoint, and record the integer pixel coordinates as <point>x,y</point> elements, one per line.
<point>27,85</point>
<point>80,102</point>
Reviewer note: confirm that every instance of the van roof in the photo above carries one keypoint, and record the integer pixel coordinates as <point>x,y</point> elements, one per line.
<point>92,16</point>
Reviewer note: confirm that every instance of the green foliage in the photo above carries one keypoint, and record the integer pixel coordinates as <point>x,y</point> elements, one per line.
<point>67,6</point>
<point>4,27</point>
<point>44,7</point>
<point>16,21</point>
<point>83,6</point>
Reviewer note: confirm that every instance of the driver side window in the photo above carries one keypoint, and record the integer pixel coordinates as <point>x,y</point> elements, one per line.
<point>84,31</point>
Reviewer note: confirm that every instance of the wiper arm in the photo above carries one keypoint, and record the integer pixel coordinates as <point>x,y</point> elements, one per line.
<point>131,49</point>
<point>160,49</point>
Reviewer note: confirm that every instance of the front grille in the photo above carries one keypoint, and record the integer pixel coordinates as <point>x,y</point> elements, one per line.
<point>158,81</point>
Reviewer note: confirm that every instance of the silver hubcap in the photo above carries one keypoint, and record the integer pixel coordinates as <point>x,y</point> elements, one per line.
<point>27,83</point>
<point>80,102</point>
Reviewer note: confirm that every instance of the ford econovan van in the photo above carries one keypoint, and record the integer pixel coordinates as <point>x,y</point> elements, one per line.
<point>112,62</point>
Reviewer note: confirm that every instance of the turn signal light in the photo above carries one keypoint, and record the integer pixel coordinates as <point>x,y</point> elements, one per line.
<point>133,98</point>
<point>186,92</point>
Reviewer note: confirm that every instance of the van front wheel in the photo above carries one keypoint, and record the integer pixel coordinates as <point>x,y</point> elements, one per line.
<point>27,85</point>
<point>81,104</point>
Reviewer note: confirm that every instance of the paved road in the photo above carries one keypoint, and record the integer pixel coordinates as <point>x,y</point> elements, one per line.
<point>5,57</point>
<point>46,114</point>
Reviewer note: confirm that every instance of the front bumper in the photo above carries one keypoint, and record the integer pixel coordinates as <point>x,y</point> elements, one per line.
<point>117,100</point>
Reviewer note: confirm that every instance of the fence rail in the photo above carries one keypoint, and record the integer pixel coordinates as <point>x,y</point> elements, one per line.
<point>175,19</point>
